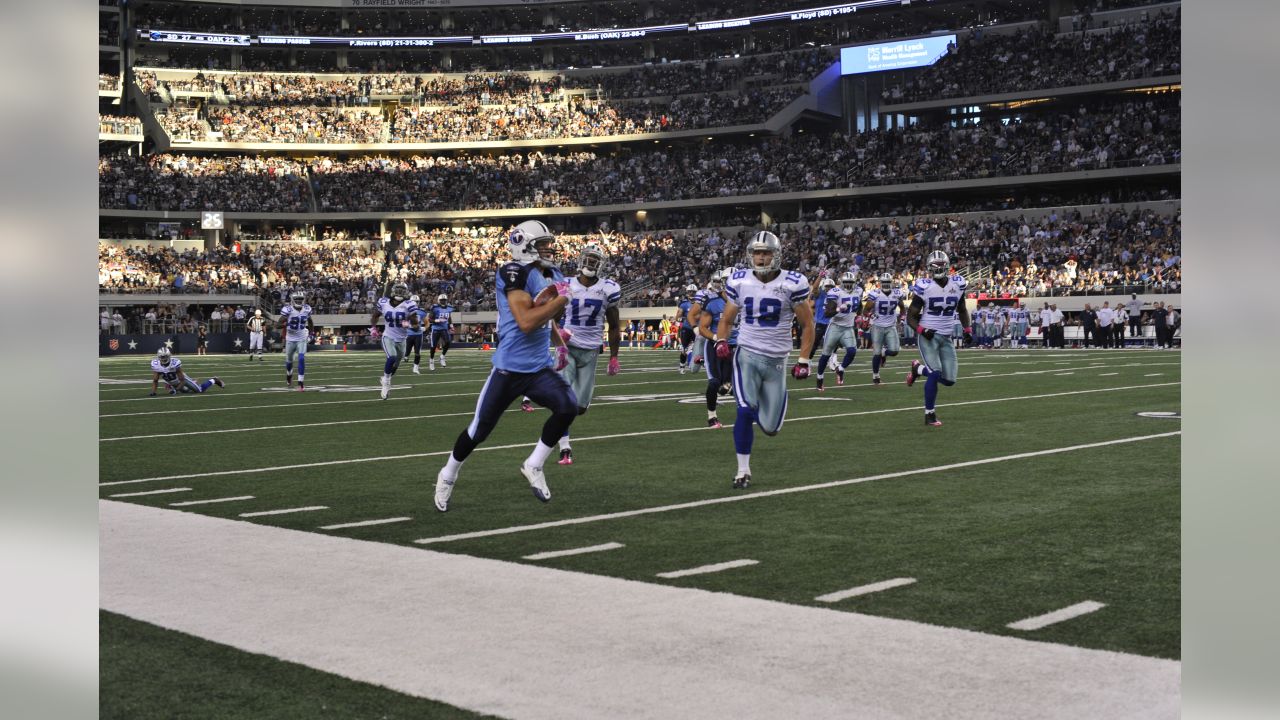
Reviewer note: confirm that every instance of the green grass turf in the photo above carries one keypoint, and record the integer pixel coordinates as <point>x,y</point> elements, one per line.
<point>988,545</point>
<point>150,672</point>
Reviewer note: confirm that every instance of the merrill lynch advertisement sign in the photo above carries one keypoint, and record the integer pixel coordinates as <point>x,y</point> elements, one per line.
<point>896,55</point>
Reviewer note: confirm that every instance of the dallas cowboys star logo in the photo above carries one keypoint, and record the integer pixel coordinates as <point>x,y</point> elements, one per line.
<point>133,344</point>
<point>239,342</point>
<point>168,344</point>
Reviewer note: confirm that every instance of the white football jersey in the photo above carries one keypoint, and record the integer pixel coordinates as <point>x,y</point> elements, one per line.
<point>394,318</point>
<point>884,306</point>
<point>168,373</point>
<point>295,322</point>
<point>584,315</point>
<point>940,303</point>
<point>1018,315</point>
<point>766,309</point>
<point>847,305</point>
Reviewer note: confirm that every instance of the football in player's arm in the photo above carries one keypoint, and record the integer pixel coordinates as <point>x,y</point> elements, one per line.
<point>933,310</point>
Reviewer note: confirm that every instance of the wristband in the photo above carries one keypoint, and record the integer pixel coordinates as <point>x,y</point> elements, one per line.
<point>920,329</point>
<point>969,329</point>
<point>802,361</point>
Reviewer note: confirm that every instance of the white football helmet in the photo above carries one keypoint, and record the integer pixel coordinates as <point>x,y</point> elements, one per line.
<point>690,289</point>
<point>413,298</point>
<point>848,281</point>
<point>764,240</point>
<point>297,298</point>
<point>399,292</point>
<point>826,283</point>
<point>717,281</point>
<point>442,299</point>
<point>938,264</point>
<point>164,354</point>
<point>532,241</point>
<point>886,281</point>
<point>591,260</point>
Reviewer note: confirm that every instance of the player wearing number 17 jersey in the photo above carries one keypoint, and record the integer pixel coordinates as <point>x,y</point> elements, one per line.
<point>295,321</point>
<point>593,300</point>
<point>934,308</point>
<point>767,298</point>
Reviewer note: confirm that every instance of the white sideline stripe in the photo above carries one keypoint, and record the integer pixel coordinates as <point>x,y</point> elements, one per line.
<point>365,523</point>
<point>1062,374</point>
<point>783,491</point>
<point>150,492</point>
<point>573,551</point>
<point>1057,616</point>
<point>284,511</point>
<point>1153,375</point>
<point>606,642</point>
<point>214,500</point>
<point>490,448</point>
<point>716,567</point>
<point>864,590</point>
<point>1107,374</point>
<point>982,372</point>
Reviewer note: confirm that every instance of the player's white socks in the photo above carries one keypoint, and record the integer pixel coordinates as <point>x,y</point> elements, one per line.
<point>564,443</point>
<point>711,414</point>
<point>452,467</point>
<point>744,464</point>
<point>301,378</point>
<point>539,455</point>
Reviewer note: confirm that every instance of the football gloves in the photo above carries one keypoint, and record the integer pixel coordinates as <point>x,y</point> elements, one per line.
<point>928,333</point>
<point>800,370</point>
<point>562,358</point>
<point>722,349</point>
<point>614,367</point>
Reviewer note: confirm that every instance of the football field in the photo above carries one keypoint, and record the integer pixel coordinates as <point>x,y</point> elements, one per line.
<point>1041,517</point>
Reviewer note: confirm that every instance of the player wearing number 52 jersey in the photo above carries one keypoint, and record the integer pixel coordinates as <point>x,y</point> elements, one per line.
<point>164,366</point>
<point>531,291</point>
<point>593,300</point>
<point>768,298</point>
<point>841,307</point>
<point>885,302</point>
<point>295,321</point>
<point>934,309</point>
<point>399,316</point>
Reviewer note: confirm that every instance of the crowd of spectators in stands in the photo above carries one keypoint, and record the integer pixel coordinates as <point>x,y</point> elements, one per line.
<point>181,182</point>
<point>183,123</point>
<point>297,125</point>
<point>1059,253</point>
<point>108,81</point>
<point>1033,59</point>
<point>119,125</point>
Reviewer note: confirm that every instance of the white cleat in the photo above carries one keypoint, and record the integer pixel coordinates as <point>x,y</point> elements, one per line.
<point>417,370</point>
<point>683,370</point>
<point>442,362</point>
<point>537,481</point>
<point>432,366</point>
<point>444,488</point>
<point>386,387</point>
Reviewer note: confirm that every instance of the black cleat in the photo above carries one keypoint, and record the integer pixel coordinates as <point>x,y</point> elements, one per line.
<point>931,419</point>
<point>875,380</point>
<point>714,423</point>
<point>742,481</point>
<point>288,379</point>
<point>820,388</point>
<point>218,382</point>
<point>566,457</point>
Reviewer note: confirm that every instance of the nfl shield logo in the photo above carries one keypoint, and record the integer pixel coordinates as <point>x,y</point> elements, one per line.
<point>113,344</point>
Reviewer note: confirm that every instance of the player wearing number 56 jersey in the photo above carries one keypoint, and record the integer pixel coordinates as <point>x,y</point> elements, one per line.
<point>934,308</point>
<point>399,316</point>
<point>593,300</point>
<point>885,302</point>
<point>295,322</point>
<point>841,307</point>
<point>768,298</point>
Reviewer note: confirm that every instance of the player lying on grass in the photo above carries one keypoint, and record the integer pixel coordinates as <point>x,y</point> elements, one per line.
<point>164,366</point>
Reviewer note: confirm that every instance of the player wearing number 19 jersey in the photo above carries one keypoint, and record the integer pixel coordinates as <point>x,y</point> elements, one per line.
<point>399,315</point>
<point>767,298</point>
<point>593,300</point>
<point>295,320</point>
<point>933,312</point>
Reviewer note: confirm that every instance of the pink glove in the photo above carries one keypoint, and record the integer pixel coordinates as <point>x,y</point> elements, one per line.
<point>562,287</point>
<point>373,333</point>
<point>697,359</point>
<point>565,334</point>
<point>613,366</point>
<point>722,349</point>
<point>562,358</point>
<point>800,370</point>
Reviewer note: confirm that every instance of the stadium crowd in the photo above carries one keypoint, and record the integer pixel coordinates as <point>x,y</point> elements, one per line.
<point>1034,59</point>
<point>108,81</point>
<point>180,182</point>
<point>119,125</point>
<point>296,125</point>
<point>1063,253</point>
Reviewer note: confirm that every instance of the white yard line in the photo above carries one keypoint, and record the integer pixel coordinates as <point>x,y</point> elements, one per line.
<point>211,501</point>
<point>1107,374</point>
<point>1063,374</point>
<point>864,590</point>
<point>573,551</point>
<point>522,640</point>
<point>490,448</point>
<point>1057,616</point>
<point>1153,375</point>
<point>365,523</point>
<point>704,569</point>
<point>782,491</point>
<point>150,492</point>
<point>284,511</point>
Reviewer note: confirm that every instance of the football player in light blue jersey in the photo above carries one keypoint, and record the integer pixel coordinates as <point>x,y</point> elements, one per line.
<point>841,305</point>
<point>686,327</point>
<point>818,291</point>
<point>935,306</point>
<point>441,336</point>
<point>164,366</point>
<point>531,292</point>
<point>697,353</point>
<point>398,316</point>
<point>413,341</point>
<point>767,298</point>
<point>593,301</point>
<point>296,325</point>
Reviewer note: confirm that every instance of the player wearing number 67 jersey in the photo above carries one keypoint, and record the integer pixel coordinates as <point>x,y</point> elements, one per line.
<point>399,316</point>
<point>933,312</point>
<point>295,322</point>
<point>593,299</point>
<point>767,298</point>
<point>884,302</point>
